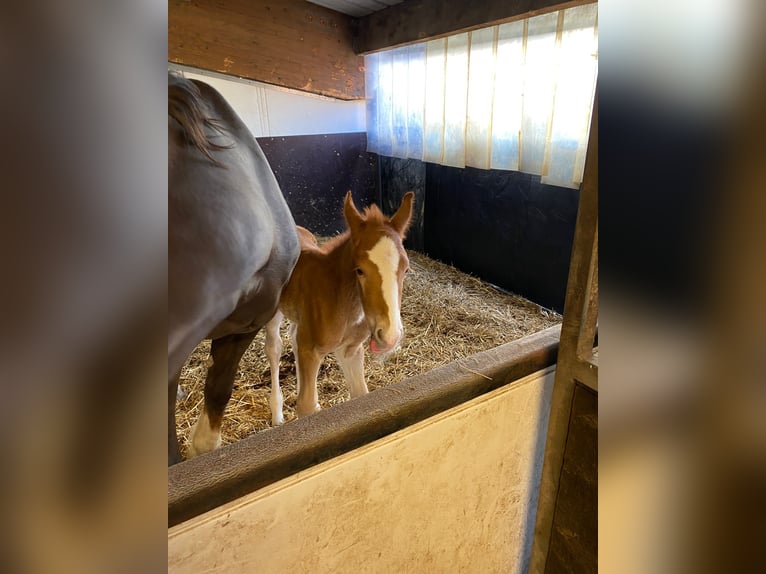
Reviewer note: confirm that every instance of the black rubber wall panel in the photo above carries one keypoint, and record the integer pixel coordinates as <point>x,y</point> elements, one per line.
<point>505,227</point>
<point>316,171</point>
<point>397,177</point>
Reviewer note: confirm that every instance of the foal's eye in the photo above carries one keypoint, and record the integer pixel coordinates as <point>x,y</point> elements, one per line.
<point>359,271</point>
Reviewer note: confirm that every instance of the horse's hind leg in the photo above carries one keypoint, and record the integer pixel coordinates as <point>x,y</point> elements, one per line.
<point>351,361</point>
<point>226,353</point>
<point>274,351</point>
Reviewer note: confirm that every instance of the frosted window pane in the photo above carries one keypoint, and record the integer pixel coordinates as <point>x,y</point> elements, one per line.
<point>539,85</point>
<point>371,93</point>
<point>516,96</point>
<point>507,103</point>
<point>400,75</point>
<point>433,133</point>
<point>455,96</point>
<point>481,75</point>
<point>574,97</point>
<point>416,98</point>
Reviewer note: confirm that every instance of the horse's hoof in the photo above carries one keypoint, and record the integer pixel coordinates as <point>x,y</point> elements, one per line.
<point>202,438</point>
<point>300,413</point>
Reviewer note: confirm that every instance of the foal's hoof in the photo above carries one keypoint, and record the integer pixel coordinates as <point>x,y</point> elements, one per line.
<point>277,420</point>
<point>306,412</point>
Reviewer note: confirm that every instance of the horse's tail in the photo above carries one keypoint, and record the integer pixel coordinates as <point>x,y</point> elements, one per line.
<point>186,106</point>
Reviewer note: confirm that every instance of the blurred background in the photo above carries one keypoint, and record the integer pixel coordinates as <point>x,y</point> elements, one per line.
<point>682,449</point>
<point>682,435</point>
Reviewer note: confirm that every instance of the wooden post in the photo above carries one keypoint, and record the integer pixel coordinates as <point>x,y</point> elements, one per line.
<point>577,361</point>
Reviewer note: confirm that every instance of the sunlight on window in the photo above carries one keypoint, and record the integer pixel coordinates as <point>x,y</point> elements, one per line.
<point>539,88</point>
<point>455,96</point>
<point>571,114</point>
<point>516,96</point>
<point>481,76</point>
<point>508,100</point>
<point>433,134</point>
<point>416,97</point>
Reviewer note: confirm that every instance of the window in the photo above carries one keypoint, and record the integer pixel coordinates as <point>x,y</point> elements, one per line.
<point>516,96</point>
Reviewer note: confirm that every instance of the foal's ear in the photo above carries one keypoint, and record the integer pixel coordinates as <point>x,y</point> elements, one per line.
<point>403,217</point>
<point>353,218</point>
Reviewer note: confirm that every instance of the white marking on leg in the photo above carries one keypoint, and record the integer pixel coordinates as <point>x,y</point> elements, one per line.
<point>294,343</point>
<point>203,438</point>
<point>385,256</point>
<point>274,351</point>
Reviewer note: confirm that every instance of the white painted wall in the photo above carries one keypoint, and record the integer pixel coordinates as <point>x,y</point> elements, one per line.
<point>454,493</point>
<point>273,111</point>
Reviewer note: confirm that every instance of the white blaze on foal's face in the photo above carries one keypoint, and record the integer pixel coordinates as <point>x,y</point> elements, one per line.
<point>385,256</point>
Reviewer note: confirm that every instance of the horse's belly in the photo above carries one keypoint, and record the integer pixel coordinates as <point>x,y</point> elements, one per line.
<point>257,303</point>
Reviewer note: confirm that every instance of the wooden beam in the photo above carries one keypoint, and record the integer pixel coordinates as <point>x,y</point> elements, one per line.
<point>586,373</point>
<point>202,483</point>
<point>419,20</point>
<point>579,306</point>
<point>290,43</point>
<point>589,321</point>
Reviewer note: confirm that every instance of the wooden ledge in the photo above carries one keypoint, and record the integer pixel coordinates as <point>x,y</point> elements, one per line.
<point>208,481</point>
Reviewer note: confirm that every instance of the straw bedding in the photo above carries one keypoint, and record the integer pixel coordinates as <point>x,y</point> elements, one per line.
<point>447,315</point>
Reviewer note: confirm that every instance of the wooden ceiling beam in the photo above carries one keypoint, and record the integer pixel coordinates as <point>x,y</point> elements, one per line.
<point>415,21</point>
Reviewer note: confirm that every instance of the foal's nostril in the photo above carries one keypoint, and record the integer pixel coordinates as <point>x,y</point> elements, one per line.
<point>379,334</point>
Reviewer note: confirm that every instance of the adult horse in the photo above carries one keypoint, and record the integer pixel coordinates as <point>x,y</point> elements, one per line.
<point>232,245</point>
<point>340,295</point>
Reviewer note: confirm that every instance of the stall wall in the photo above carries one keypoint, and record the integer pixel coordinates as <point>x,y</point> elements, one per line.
<point>272,111</point>
<point>290,43</point>
<point>505,227</point>
<point>454,493</point>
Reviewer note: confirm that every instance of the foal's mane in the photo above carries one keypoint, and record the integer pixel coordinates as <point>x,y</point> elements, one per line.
<point>374,215</point>
<point>371,215</point>
<point>187,107</point>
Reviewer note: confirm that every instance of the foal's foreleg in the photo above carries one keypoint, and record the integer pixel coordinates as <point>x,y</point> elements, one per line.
<point>351,361</point>
<point>307,362</point>
<point>226,353</point>
<point>274,351</point>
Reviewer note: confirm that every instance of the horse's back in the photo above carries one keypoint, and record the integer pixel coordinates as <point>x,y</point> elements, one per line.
<point>232,242</point>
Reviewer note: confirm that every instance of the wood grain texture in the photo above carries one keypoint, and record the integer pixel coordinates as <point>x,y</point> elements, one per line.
<point>574,537</point>
<point>420,20</point>
<point>289,43</point>
<point>570,368</point>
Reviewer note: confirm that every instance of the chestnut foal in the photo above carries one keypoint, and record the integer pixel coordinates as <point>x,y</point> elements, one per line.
<point>339,295</point>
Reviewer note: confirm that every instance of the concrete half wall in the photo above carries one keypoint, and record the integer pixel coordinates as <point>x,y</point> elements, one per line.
<point>456,492</point>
